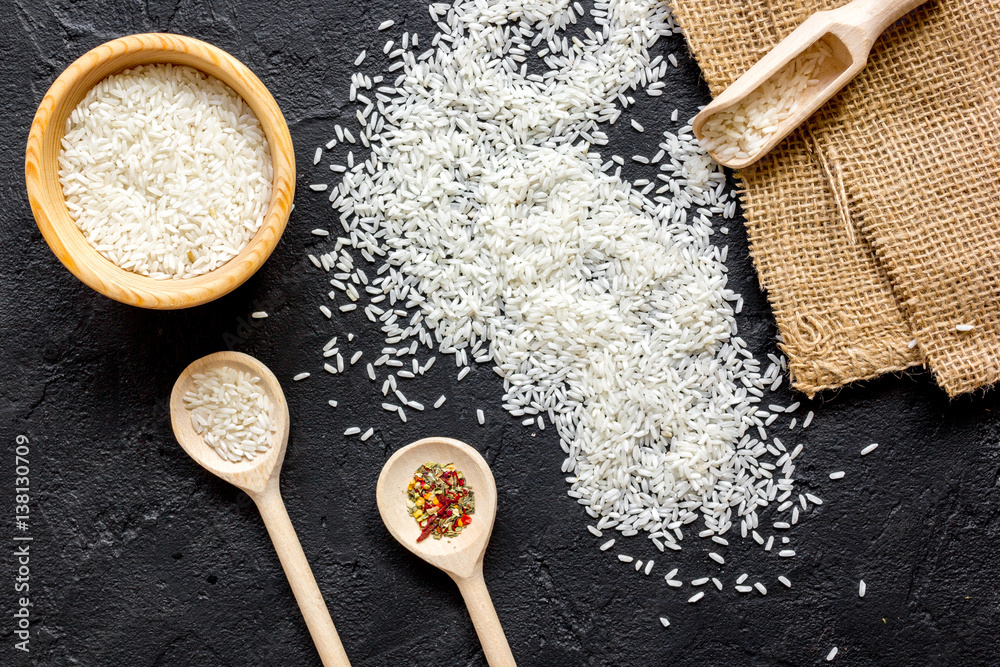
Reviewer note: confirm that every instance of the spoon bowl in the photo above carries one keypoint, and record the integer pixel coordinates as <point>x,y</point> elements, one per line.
<point>251,476</point>
<point>457,555</point>
<point>460,556</point>
<point>259,478</point>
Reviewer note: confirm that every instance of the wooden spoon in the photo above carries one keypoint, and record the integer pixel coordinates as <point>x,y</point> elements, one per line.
<point>850,31</point>
<point>461,556</point>
<point>259,478</point>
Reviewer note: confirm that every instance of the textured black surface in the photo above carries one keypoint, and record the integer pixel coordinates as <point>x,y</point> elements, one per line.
<point>141,558</point>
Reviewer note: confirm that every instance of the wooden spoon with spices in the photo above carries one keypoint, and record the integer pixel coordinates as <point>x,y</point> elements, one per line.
<point>460,556</point>
<point>259,478</point>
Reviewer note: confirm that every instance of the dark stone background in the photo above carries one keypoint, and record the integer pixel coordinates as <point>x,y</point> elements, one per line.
<point>142,558</point>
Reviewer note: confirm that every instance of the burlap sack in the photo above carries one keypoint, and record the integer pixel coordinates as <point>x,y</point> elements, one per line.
<point>878,222</point>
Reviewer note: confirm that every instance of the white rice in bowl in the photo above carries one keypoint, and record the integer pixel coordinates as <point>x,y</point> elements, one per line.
<point>165,170</point>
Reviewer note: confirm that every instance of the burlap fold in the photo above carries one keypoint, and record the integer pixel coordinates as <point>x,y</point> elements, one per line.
<point>876,224</point>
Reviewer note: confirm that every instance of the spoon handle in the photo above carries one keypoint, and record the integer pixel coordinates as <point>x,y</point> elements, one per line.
<point>300,576</point>
<point>484,618</point>
<point>877,15</point>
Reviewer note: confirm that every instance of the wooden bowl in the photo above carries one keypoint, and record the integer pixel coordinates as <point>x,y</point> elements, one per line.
<point>41,171</point>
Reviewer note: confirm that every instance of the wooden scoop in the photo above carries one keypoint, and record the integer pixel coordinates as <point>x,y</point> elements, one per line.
<point>259,478</point>
<point>848,31</point>
<point>461,556</point>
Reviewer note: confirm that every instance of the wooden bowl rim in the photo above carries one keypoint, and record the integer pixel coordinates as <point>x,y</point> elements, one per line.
<point>66,240</point>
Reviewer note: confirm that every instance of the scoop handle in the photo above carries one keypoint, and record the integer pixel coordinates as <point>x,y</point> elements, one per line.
<point>484,618</point>
<point>874,16</point>
<point>300,576</point>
